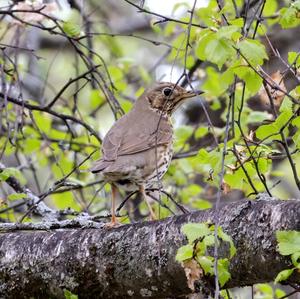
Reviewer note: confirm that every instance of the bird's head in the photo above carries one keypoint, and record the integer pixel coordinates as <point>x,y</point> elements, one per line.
<point>167,97</point>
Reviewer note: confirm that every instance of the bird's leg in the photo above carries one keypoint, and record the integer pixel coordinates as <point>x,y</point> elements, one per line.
<point>114,221</point>
<point>152,215</point>
<point>113,203</point>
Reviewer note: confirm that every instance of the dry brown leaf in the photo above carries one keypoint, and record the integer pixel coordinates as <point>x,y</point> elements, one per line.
<point>250,136</point>
<point>193,272</point>
<point>210,175</point>
<point>231,167</point>
<point>241,151</point>
<point>277,95</point>
<point>225,188</point>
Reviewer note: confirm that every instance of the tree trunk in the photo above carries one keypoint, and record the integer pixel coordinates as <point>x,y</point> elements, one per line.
<point>138,260</point>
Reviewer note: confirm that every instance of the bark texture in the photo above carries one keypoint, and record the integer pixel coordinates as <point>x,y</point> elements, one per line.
<point>138,260</point>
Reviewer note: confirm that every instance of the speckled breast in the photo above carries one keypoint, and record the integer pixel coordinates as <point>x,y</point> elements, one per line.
<point>151,177</point>
<point>164,157</point>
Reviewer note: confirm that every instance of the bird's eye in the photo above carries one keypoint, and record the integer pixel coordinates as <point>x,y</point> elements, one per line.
<point>167,91</point>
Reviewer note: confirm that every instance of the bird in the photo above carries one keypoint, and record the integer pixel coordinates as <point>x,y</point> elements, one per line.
<point>138,148</point>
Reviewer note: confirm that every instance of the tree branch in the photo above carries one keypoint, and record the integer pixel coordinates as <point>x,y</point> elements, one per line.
<point>138,260</point>
<point>32,201</point>
<point>64,117</point>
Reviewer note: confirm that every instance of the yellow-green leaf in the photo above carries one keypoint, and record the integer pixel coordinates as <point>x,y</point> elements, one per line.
<point>253,50</point>
<point>194,231</point>
<point>219,51</point>
<point>288,242</point>
<point>185,252</point>
<point>15,196</point>
<point>283,275</point>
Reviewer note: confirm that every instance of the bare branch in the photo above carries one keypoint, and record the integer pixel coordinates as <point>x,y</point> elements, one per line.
<point>62,116</point>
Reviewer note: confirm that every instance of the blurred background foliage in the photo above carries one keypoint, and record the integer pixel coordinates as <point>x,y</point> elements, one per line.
<point>90,60</point>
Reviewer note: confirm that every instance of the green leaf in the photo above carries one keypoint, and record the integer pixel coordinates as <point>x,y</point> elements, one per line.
<point>219,51</point>
<point>213,84</point>
<point>58,134</point>
<point>211,160</point>
<point>227,31</point>
<point>266,289</point>
<point>194,231</point>
<point>206,263</point>
<point>283,275</point>
<point>270,7</point>
<point>252,79</point>
<point>294,58</point>
<point>295,257</point>
<point>4,176</point>
<point>235,180</point>
<point>192,190</point>
<point>296,122</point>
<point>227,77</point>
<point>253,50</point>
<point>185,165</point>
<point>71,26</point>
<point>9,149</point>
<point>263,165</point>
<point>223,273</point>
<point>201,248</point>
<point>280,293</point>
<point>69,295</point>
<point>43,121</point>
<point>183,133</point>
<point>30,145</point>
<point>65,200</point>
<point>205,38</point>
<point>288,242</point>
<point>296,139</point>
<point>201,132</point>
<point>227,294</point>
<point>115,73</point>
<point>12,172</point>
<point>209,240</point>
<point>201,204</point>
<point>71,29</point>
<point>239,22</point>
<point>258,116</point>
<point>217,47</point>
<point>180,5</point>
<point>266,131</point>
<point>184,252</point>
<point>15,196</point>
<point>283,119</point>
<point>146,76</point>
<point>126,105</point>
<point>209,14</point>
<point>286,105</point>
<point>289,17</point>
<point>96,98</point>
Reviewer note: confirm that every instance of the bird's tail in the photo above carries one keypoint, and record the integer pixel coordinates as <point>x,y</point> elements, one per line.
<point>99,166</point>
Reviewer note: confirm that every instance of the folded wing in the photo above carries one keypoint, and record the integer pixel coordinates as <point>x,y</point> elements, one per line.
<point>135,139</point>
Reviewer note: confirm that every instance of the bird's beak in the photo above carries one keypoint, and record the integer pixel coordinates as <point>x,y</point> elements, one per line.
<point>192,93</point>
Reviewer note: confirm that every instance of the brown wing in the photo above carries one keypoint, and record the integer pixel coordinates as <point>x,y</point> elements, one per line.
<point>128,136</point>
<point>136,143</point>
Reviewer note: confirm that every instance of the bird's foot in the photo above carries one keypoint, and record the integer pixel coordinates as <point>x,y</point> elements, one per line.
<point>113,223</point>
